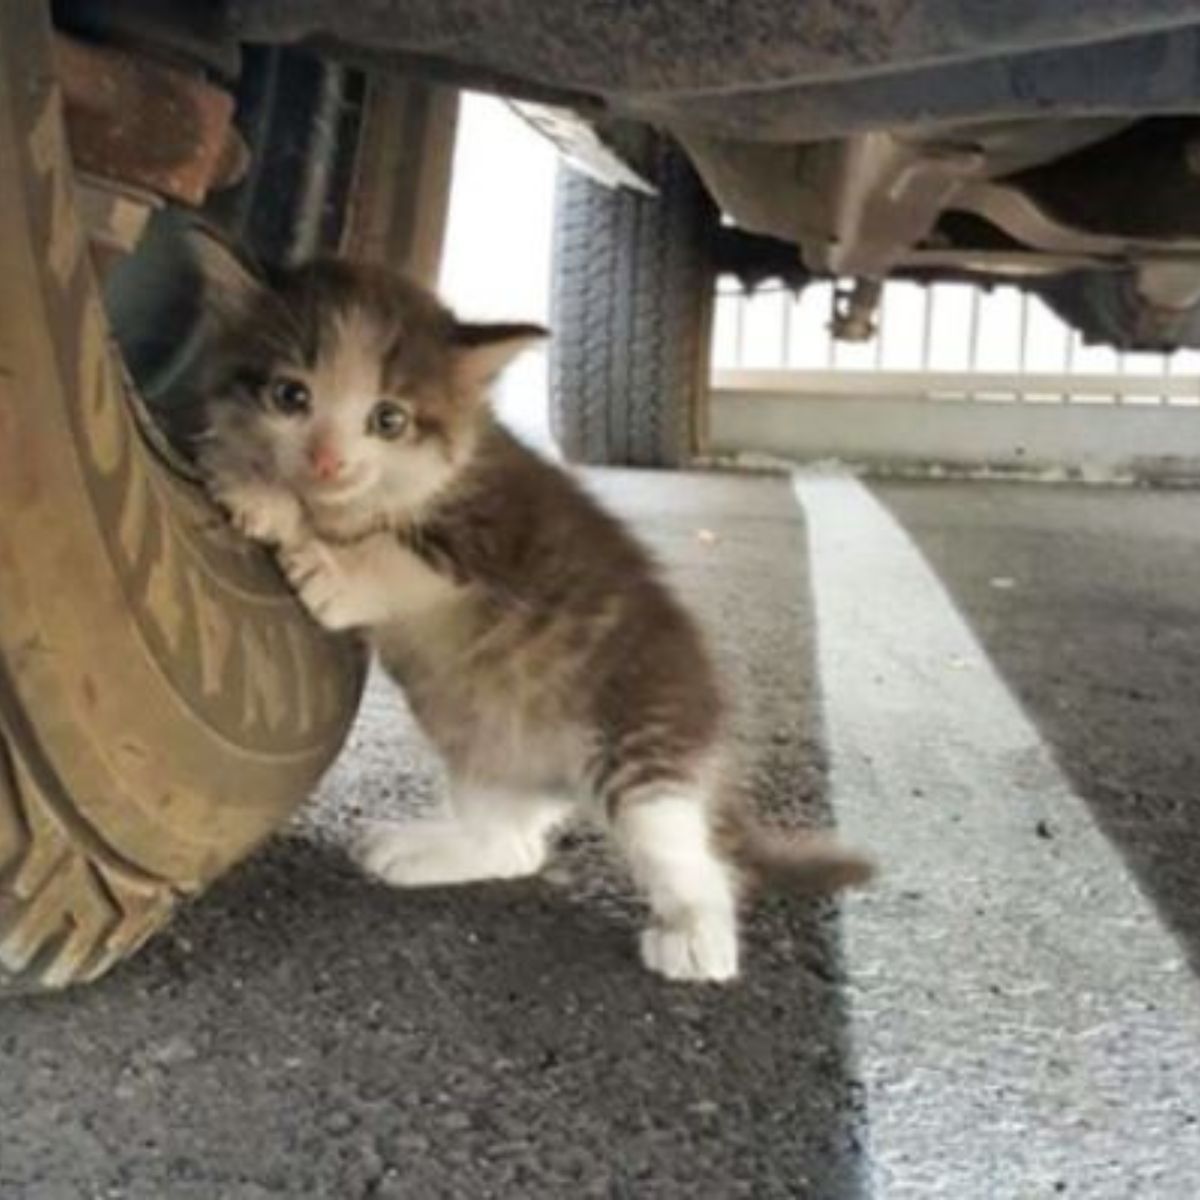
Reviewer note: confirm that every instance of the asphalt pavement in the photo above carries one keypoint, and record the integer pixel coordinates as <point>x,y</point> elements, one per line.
<point>995,688</point>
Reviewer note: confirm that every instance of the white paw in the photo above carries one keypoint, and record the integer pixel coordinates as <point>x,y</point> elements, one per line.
<point>703,951</point>
<point>436,853</point>
<point>316,577</point>
<point>260,511</point>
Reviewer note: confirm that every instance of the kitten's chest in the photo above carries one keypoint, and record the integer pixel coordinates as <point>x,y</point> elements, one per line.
<point>497,696</point>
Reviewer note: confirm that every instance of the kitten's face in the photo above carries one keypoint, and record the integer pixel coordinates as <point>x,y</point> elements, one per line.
<point>352,387</point>
<point>360,413</point>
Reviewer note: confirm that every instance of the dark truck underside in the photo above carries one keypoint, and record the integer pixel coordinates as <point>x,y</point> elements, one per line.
<point>1054,145</point>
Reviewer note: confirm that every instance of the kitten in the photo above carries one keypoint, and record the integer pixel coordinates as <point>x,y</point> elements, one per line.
<point>348,427</point>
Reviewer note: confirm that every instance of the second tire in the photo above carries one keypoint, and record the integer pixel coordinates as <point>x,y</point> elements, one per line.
<point>632,296</point>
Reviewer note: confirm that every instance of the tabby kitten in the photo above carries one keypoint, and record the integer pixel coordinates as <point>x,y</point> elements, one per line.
<point>348,427</point>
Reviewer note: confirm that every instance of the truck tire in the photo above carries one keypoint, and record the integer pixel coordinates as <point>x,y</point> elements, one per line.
<point>165,704</point>
<point>632,296</point>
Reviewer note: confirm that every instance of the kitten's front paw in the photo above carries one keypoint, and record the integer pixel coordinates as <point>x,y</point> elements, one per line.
<point>261,512</point>
<point>705,950</point>
<point>418,854</point>
<point>313,571</point>
<point>415,854</point>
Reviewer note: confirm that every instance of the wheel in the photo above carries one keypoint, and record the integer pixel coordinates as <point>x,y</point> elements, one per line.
<point>164,702</point>
<point>631,311</point>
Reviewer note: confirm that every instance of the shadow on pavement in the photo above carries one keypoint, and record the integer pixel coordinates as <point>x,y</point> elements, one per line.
<point>304,1032</point>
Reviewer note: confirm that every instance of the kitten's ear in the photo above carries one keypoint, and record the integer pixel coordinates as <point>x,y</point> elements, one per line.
<point>481,352</point>
<point>231,288</point>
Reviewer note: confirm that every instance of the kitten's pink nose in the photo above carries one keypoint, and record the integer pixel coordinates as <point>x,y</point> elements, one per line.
<point>325,460</point>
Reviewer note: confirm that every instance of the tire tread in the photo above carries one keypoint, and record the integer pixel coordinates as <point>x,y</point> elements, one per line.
<point>631,296</point>
<point>65,917</point>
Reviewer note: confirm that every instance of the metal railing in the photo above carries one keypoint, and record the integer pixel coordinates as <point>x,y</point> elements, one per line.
<point>954,378</point>
<point>946,342</point>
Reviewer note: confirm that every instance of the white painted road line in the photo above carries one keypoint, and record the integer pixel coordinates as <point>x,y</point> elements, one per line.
<point>1025,1025</point>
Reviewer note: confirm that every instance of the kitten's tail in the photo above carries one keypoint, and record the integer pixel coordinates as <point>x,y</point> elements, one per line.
<point>770,858</point>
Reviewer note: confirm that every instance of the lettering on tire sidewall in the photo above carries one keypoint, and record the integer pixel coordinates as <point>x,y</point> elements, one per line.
<point>235,647</point>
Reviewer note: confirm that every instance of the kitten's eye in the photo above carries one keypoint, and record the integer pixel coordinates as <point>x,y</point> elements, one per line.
<point>388,419</point>
<point>290,396</point>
